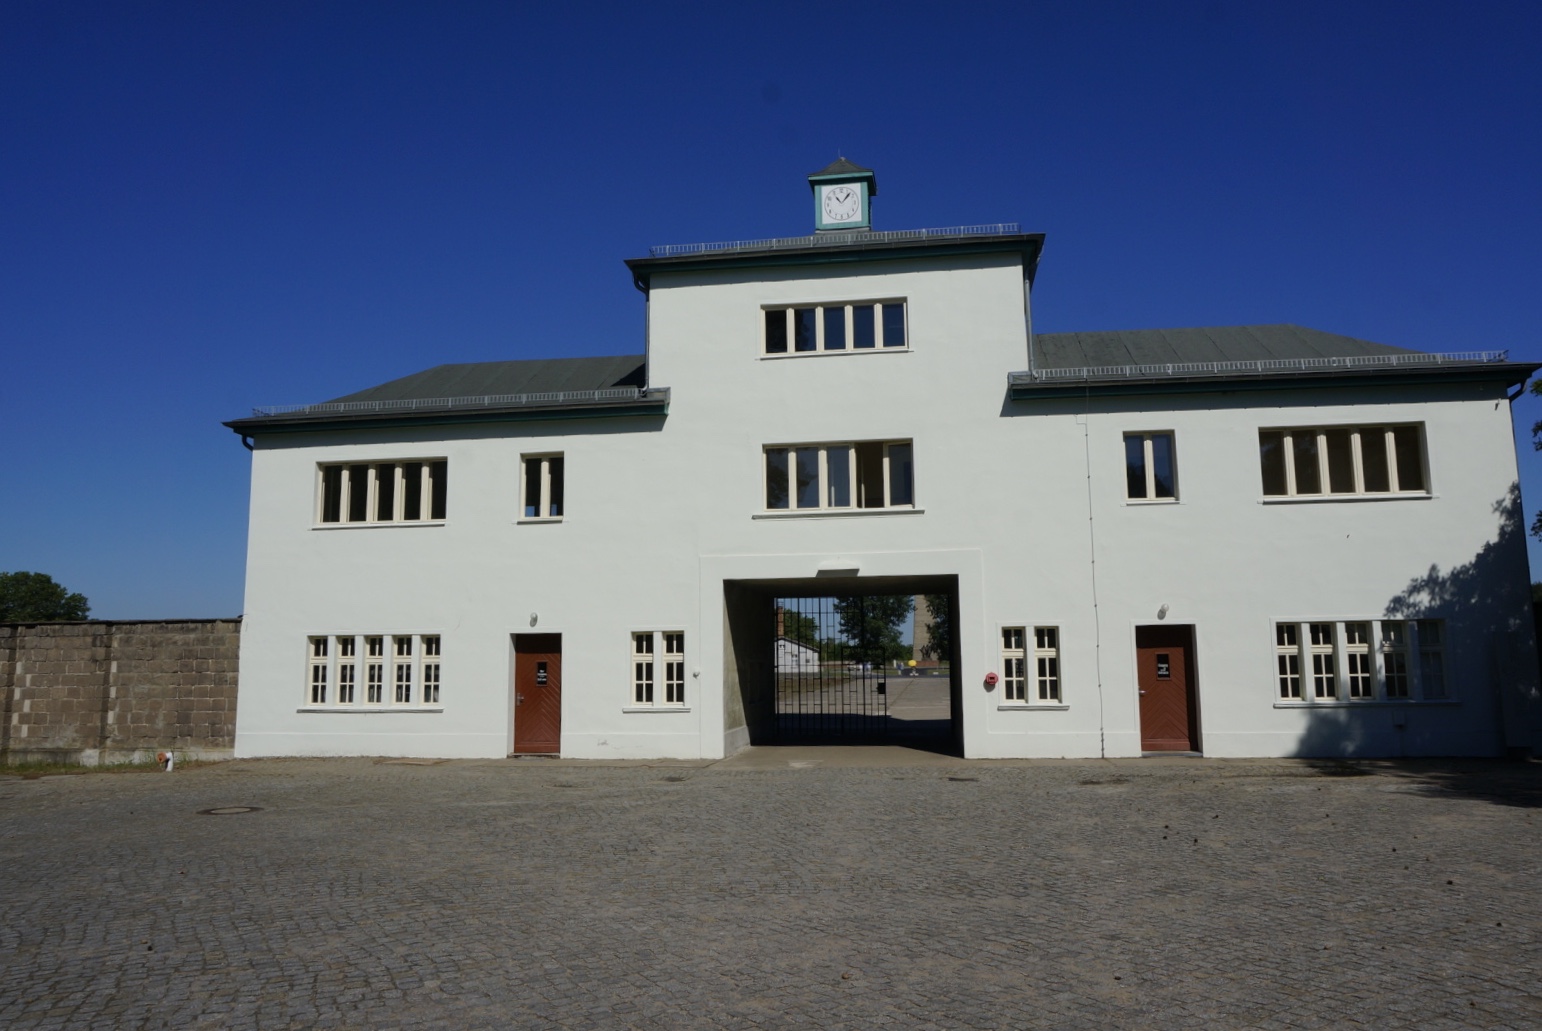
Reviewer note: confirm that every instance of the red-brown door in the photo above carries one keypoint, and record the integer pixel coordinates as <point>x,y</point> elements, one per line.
<point>1164,657</point>
<point>538,693</point>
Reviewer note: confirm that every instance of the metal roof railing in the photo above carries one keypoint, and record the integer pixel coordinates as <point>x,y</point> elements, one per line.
<point>547,398</point>
<point>853,238</point>
<point>1258,368</point>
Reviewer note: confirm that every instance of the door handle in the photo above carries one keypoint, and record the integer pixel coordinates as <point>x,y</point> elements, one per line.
<point>519,699</point>
<point>1143,690</point>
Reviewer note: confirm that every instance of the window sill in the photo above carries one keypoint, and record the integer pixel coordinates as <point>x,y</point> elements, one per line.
<point>370,708</point>
<point>1031,707</point>
<point>834,354</point>
<point>656,708</point>
<point>836,513</point>
<point>530,520</point>
<point>1317,499</point>
<point>1150,501</point>
<point>1368,703</point>
<point>378,526</point>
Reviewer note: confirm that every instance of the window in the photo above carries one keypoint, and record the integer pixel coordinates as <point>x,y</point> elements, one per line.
<point>870,474</point>
<point>414,671</point>
<point>541,496</point>
<point>1012,663</point>
<point>1346,668</point>
<point>383,492</point>
<point>1342,461</point>
<point>1046,657</point>
<point>1042,685</point>
<point>828,328</point>
<point>645,646</point>
<point>1148,467</point>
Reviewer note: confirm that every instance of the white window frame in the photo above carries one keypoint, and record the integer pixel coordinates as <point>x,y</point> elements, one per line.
<point>855,485</point>
<point>848,308</point>
<point>657,671</point>
<point>360,672</point>
<point>1334,655</point>
<point>1356,433</point>
<point>544,488</point>
<point>1032,672</point>
<point>1148,458</point>
<point>432,472</point>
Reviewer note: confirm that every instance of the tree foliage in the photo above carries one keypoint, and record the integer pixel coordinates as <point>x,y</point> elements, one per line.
<point>35,598</point>
<point>800,627</point>
<point>1536,442</point>
<point>940,627</point>
<point>872,624</point>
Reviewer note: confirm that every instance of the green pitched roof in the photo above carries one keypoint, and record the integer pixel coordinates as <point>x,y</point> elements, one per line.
<point>1198,344</point>
<point>531,376</point>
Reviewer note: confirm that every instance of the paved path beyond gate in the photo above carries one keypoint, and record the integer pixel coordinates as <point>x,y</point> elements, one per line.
<point>778,889</point>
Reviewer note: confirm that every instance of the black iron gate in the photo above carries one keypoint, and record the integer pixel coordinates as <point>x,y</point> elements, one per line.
<point>834,666</point>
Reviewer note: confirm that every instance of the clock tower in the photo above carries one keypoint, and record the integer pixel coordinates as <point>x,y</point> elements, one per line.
<point>843,193</point>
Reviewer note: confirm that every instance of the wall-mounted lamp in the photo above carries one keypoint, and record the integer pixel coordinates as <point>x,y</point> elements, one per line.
<point>1161,612</point>
<point>534,618</point>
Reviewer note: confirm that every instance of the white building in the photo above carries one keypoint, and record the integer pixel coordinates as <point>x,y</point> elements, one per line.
<point>1241,541</point>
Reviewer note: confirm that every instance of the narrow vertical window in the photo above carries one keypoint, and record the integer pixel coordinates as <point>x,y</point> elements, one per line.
<point>1410,458</point>
<point>401,673</point>
<point>358,493</point>
<point>347,670</point>
<point>863,327</point>
<point>1271,460</point>
<point>1357,660</point>
<point>431,670</point>
<point>1432,666</point>
<point>1377,477</point>
<point>543,486</point>
<point>835,329</point>
<point>674,668</point>
<point>439,475</point>
<point>902,488</point>
<point>776,478</point>
<point>1303,454</point>
<point>1324,675</point>
<point>776,331</point>
<point>319,666</point>
<point>412,491</point>
<point>374,670</point>
<point>1013,664</point>
<point>331,494</point>
<point>1287,658</point>
<point>804,330</point>
<point>642,669</point>
<point>1149,472</point>
<point>808,476</point>
<point>893,325</point>
<point>1341,462</point>
<point>385,492</point>
<point>1394,658</point>
<point>838,476</point>
<point>1046,660</point>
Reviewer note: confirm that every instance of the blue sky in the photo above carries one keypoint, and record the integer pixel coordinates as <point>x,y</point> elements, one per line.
<point>215,206</point>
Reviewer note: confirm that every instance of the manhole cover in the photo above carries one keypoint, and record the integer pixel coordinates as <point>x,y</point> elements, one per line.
<point>964,780</point>
<point>230,810</point>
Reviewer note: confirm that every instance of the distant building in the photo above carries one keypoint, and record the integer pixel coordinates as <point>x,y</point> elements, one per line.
<point>795,656</point>
<point>1240,541</point>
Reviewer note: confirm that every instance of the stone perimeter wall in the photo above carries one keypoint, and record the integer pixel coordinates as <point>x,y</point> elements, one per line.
<point>109,691</point>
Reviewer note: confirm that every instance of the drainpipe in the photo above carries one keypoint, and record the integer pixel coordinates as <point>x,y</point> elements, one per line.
<point>1092,551</point>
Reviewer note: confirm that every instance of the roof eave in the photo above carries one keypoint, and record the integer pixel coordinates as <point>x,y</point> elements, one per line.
<point>654,403</point>
<point>1029,245</point>
<point>1510,374</point>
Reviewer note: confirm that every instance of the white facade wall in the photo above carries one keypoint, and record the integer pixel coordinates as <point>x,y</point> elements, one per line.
<point>1022,501</point>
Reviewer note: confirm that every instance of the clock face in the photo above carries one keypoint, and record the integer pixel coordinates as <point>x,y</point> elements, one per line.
<point>842,203</point>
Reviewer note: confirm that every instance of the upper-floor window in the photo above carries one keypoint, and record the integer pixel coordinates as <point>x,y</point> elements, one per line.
<point>383,492</point>
<point>820,328</point>
<point>1149,470</point>
<point>867,474</point>
<point>541,487</point>
<point>1342,461</point>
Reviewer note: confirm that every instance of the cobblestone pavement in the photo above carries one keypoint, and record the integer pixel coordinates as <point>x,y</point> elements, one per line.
<point>775,891</point>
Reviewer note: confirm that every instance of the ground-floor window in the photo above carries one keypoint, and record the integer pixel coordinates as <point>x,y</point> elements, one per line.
<point>1360,660</point>
<point>334,659</point>
<point>655,652</point>
<point>1042,684</point>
